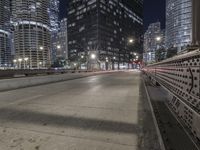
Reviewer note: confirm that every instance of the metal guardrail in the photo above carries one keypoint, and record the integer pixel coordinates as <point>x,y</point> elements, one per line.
<point>29,72</point>
<point>180,75</point>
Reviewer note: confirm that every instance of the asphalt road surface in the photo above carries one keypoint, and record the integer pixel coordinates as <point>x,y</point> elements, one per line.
<point>103,112</point>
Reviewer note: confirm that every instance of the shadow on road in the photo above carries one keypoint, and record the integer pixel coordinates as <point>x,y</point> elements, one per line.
<point>25,116</point>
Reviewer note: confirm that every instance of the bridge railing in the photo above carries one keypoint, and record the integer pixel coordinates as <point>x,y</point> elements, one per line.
<point>180,75</point>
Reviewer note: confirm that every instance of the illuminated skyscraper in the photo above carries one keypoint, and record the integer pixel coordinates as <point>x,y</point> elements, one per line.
<point>54,25</point>
<point>154,39</point>
<point>53,15</point>
<point>31,33</point>
<point>5,41</point>
<point>178,23</point>
<point>62,39</point>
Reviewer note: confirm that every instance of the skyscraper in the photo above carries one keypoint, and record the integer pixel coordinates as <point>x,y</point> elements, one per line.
<point>31,33</point>
<point>178,23</point>
<point>5,41</point>
<point>62,40</point>
<point>105,27</point>
<point>154,38</point>
<point>53,15</point>
<point>54,25</point>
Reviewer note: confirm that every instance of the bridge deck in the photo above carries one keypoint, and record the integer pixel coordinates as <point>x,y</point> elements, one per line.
<point>104,112</point>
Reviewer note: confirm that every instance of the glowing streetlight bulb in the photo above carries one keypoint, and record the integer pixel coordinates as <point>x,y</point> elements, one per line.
<point>93,56</point>
<point>41,48</point>
<point>20,60</point>
<point>158,38</point>
<point>14,60</point>
<point>26,59</point>
<point>58,46</point>
<point>131,40</point>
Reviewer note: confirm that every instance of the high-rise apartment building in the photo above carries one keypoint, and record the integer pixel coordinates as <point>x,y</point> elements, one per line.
<point>5,41</point>
<point>154,39</point>
<point>105,27</point>
<point>31,33</point>
<point>178,23</point>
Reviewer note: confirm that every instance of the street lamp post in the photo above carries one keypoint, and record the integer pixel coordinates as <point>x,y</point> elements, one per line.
<point>25,62</point>
<point>15,63</point>
<point>20,61</point>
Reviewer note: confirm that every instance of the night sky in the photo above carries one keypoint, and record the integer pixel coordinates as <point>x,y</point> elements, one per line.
<point>154,10</point>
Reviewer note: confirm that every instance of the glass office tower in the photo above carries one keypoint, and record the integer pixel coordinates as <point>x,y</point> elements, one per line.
<point>178,23</point>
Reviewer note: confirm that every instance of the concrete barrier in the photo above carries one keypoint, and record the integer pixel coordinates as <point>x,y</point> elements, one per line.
<point>15,83</point>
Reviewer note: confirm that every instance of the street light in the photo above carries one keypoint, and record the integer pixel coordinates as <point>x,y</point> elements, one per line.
<point>82,56</point>
<point>41,47</point>
<point>25,62</point>
<point>15,63</point>
<point>158,38</point>
<point>131,40</point>
<point>26,59</point>
<point>58,46</point>
<point>20,61</point>
<point>93,56</point>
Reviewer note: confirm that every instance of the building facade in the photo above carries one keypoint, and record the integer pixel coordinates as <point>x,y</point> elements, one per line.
<point>5,36</point>
<point>178,23</point>
<point>31,33</point>
<point>62,41</point>
<point>54,25</point>
<point>154,39</point>
<point>105,27</point>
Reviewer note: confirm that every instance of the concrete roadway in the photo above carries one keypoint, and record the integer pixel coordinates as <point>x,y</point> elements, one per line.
<point>103,112</point>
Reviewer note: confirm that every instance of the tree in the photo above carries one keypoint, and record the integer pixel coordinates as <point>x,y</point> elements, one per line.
<point>60,62</point>
<point>172,52</point>
<point>160,54</point>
